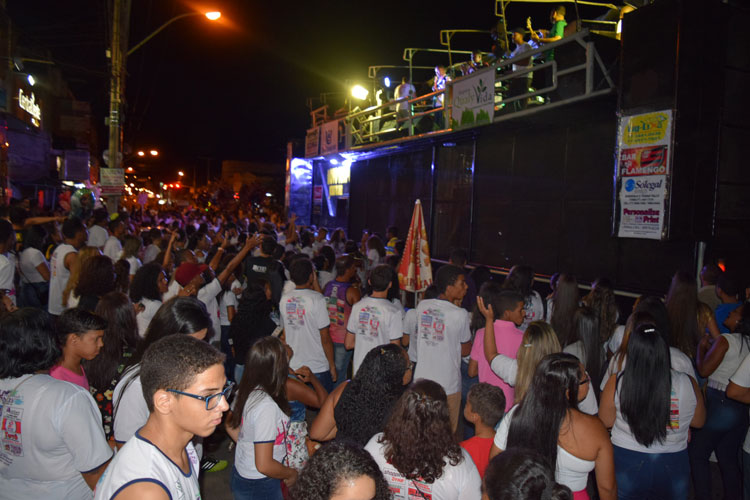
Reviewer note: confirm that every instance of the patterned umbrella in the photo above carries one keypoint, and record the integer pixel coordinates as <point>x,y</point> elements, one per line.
<point>415,269</point>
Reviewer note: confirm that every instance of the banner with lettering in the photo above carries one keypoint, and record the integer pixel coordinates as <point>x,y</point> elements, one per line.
<point>644,149</point>
<point>329,137</point>
<point>312,141</point>
<point>473,99</point>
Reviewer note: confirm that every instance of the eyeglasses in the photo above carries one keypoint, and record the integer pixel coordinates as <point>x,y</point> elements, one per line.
<point>584,381</point>
<point>213,400</point>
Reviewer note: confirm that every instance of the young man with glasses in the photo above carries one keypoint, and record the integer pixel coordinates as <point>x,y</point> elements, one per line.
<point>185,389</point>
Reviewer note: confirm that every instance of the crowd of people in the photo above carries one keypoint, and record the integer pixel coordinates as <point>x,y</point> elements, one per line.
<point>126,339</point>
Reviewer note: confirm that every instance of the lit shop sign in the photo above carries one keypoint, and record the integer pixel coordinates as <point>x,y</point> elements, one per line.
<point>28,104</point>
<point>336,178</point>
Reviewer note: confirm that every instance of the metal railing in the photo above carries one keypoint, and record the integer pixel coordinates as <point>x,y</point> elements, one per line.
<point>383,124</point>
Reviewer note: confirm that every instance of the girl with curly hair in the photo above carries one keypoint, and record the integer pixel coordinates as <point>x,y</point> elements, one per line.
<point>418,453</point>
<point>358,408</point>
<point>340,470</point>
<point>259,422</point>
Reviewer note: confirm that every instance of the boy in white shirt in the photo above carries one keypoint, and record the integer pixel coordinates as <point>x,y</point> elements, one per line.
<point>185,389</point>
<point>374,320</point>
<point>443,336</point>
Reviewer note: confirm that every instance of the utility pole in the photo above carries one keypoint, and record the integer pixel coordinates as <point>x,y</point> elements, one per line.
<point>120,24</point>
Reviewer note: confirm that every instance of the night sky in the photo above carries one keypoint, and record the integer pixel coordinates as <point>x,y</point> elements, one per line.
<point>237,89</point>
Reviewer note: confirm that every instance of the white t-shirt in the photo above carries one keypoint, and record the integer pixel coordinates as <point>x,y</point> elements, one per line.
<point>228,298</point>
<point>410,329</point>
<point>7,274</point>
<point>144,317</point>
<point>59,275</point>
<point>742,378</point>
<point>113,248</point>
<point>734,356</point>
<point>29,259</point>
<point>458,482</point>
<point>97,236</point>
<point>128,406</point>
<point>207,294</point>
<point>570,470</point>
<point>682,409</point>
<point>141,461</point>
<point>325,277</point>
<point>679,362</point>
<point>172,291</point>
<point>373,258</point>
<point>373,322</point>
<point>262,422</point>
<point>135,264</point>
<point>304,314</point>
<point>441,329</point>
<point>152,251</point>
<point>615,341</point>
<point>403,90</point>
<point>533,310</point>
<point>52,433</point>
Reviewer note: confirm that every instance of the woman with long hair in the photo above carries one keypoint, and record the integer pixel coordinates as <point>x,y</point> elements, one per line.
<point>131,250</point>
<point>33,269</point>
<point>521,279</point>
<point>358,409</point>
<point>648,309</point>
<point>586,345</point>
<point>338,241</point>
<point>186,315</point>
<point>340,470</point>
<point>96,280</point>
<point>70,299</point>
<point>726,419</point>
<point>650,408</point>
<point>417,451</point>
<point>601,299</point>
<point>146,290</point>
<point>561,307</point>
<point>258,423</point>
<point>682,307</point>
<point>120,342</point>
<point>374,249</point>
<point>548,421</point>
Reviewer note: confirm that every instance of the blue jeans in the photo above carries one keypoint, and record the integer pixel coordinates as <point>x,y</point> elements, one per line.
<point>746,474</point>
<point>341,358</point>
<point>250,489</point>
<point>326,380</point>
<point>723,433</point>
<point>657,476</point>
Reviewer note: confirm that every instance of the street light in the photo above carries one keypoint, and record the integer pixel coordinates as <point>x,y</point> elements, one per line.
<point>141,153</point>
<point>211,16</point>
<point>154,152</point>
<point>180,173</point>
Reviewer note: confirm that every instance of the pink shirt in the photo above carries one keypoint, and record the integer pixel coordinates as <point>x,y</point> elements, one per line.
<point>508,339</point>
<point>61,373</point>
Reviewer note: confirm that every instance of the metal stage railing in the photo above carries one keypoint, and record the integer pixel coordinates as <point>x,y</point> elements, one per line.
<point>380,125</point>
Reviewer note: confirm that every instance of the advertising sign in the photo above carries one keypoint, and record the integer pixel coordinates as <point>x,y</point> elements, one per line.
<point>111,181</point>
<point>311,142</point>
<point>329,137</point>
<point>317,200</point>
<point>473,99</point>
<point>644,145</point>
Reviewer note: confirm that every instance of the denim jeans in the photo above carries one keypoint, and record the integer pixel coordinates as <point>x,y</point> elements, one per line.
<point>250,489</point>
<point>746,474</point>
<point>326,380</point>
<point>657,476</point>
<point>723,433</point>
<point>341,358</point>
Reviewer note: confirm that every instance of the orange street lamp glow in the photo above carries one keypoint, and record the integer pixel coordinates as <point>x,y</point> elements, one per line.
<point>154,152</point>
<point>141,153</point>
<point>130,169</point>
<point>180,173</point>
<point>213,16</point>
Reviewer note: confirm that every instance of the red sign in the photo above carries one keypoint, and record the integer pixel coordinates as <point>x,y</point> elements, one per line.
<point>651,160</point>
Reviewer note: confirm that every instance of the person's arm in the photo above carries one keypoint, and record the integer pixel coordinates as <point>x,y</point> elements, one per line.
<point>353,295</point>
<point>298,391</point>
<point>43,270</point>
<point>92,477</point>
<point>316,283</point>
<point>230,312</point>
<point>738,393</point>
<point>699,417</point>
<point>465,348</point>
<point>473,369</point>
<point>325,339</point>
<point>349,341</point>
<point>710,355</point>
<point>490,348</point>
<point>494,451</point>
<point>168,252</point>
<point>218,255</point>
<point>35,221</point>
<point>323,427</point>
<point>232,432</point>
<point>405,339</point>
<point>250,243</point>
<point>143,490</point>
<point>604,464</point>
<point>607,411</point>
<point>268,466</point>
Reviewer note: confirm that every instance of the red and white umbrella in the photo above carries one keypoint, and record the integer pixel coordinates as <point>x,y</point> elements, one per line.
<point>415,269</point>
